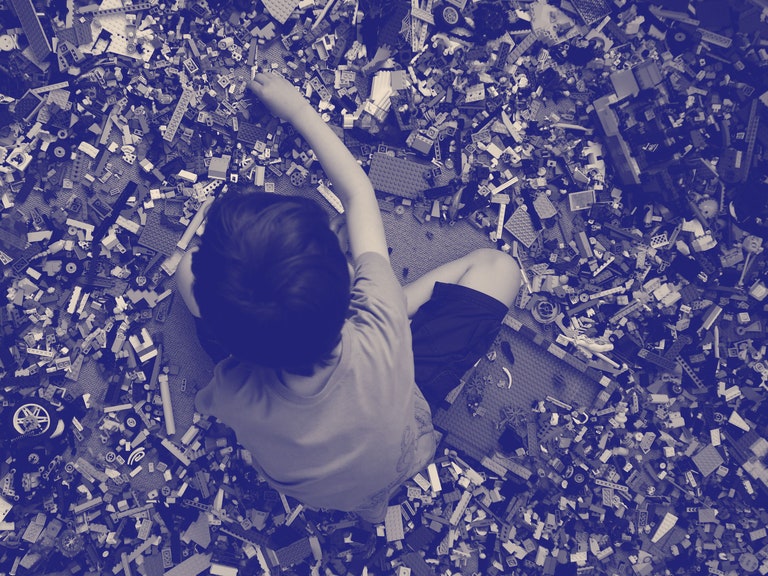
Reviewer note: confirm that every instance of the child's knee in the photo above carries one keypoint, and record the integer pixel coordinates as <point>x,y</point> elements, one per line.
<point>495,273</point>
<point>498,263</point>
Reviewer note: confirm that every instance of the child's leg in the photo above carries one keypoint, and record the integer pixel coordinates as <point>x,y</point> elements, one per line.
<point>464,302</point>
<point>486,270</point>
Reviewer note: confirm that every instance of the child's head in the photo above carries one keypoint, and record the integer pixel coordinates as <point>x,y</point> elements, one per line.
<point>271,280</point>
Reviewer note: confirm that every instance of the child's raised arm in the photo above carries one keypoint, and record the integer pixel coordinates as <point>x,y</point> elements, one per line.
<point>351,184</point>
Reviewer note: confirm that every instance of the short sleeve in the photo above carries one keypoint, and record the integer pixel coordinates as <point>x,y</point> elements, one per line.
<point>204,400</point>
<point>378,299</point>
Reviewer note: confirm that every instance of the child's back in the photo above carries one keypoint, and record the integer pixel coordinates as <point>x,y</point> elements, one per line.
<point>347,436</point>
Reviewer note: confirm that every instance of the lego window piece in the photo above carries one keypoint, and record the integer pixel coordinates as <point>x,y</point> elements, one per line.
<point>581,200</point>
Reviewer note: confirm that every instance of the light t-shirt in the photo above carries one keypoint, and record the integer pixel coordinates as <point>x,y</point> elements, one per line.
<point>367,430</point>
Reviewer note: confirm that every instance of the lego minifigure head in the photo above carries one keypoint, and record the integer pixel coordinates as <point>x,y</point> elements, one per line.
<point>271,280</point>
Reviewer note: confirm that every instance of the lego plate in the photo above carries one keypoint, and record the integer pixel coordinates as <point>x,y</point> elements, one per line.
<point>474,428</point>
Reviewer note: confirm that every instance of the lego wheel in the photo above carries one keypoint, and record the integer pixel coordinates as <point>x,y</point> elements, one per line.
<point>32,419</point>
<point>70,543</point>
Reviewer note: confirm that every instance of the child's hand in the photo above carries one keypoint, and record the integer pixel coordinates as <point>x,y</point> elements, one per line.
<point>280,96</point>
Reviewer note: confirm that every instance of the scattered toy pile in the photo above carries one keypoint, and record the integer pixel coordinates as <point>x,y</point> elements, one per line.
<point>616,149</point>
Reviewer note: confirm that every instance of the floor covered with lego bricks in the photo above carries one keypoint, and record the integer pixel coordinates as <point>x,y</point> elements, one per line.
<point>615,147</point>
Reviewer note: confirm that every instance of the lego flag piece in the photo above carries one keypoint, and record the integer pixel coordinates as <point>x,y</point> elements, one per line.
<point>281,10</point>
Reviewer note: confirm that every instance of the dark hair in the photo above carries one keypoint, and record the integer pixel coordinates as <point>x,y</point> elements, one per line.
<point>271,280</point>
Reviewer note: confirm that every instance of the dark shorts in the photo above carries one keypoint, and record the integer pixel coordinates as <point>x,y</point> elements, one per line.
<point>451,332</point>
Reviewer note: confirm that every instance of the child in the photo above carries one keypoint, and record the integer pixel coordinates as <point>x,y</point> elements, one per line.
<point>320,377</point>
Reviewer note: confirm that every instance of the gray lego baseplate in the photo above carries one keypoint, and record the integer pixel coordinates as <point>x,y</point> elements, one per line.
<point>535,375</point>
<point>398,176</point>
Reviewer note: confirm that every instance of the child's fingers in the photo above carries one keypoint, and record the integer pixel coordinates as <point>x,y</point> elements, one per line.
<point>256,87</point>
<point>258,82</point>
<point>260,77</point>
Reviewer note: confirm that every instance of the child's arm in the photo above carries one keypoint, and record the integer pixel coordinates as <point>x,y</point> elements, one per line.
<point>351,184</point>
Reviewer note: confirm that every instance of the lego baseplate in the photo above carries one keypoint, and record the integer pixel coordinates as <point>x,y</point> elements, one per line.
<point>398,176</point>
<point>535,374</point>
<point>591,10</point>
